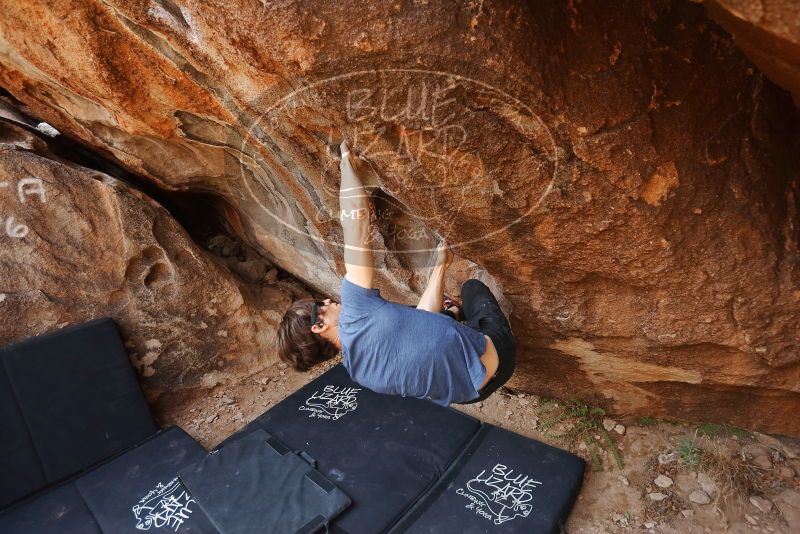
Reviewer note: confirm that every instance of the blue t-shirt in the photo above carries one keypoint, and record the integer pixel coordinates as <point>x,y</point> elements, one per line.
<point>392,348</point>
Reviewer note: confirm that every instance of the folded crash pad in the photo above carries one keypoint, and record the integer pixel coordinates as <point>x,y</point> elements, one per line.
<point>68,400</point>
<point>383,451</point>
<point>256,485</point>
<point>502,483</point>
<point>140,490</point>
<point>135,491</point>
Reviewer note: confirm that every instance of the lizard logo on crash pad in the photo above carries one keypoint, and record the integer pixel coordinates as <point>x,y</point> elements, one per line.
<point>165,506</point>
<point>331,403</point>
<point>500,494</point>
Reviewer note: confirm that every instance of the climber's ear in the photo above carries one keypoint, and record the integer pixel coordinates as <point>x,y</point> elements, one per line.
<point>317,329</point>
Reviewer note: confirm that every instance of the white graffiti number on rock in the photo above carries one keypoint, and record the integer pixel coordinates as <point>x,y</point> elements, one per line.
<point>15,230</point>
<point>331,403</point>
<point>500,494</point>
<point>26,187</point>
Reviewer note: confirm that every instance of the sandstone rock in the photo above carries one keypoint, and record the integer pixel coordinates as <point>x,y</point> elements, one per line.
<point>663,481</point>
<point>699,497</point>
<point>211,418</point>
<point>762,504</point>
<point>706,483</point>
<point>753,450</point>
<point>762,462</point>
<point>768,31</point>
<point>613,208</point>
<point>788,502</point>
<point>85,245</point>
<point>786,471</point>
<point>609,424</point>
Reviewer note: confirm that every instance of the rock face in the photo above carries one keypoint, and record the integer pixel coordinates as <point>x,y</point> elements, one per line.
<point>768,31</point>
<point>77,244</point>
<point>624,175</point>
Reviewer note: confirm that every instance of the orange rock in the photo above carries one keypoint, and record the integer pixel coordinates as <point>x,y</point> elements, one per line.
<point>622,177</point>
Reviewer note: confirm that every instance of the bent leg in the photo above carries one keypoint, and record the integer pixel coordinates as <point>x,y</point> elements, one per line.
<point>483,313</point>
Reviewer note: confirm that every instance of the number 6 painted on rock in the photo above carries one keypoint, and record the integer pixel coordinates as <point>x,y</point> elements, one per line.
<point>15,230</point>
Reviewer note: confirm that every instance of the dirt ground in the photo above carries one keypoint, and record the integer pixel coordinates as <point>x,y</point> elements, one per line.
<point>675,477</point>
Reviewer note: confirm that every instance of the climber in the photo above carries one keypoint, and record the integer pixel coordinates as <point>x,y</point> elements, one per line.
<point>392,348</point>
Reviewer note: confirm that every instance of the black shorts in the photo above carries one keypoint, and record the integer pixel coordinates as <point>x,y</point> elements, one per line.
<point>483,313</point>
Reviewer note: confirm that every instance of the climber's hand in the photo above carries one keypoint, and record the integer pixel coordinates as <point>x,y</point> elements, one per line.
<point>444,256</point>
<point>350,161</point>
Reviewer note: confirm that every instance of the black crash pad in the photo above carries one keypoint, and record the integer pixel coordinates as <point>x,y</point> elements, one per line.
<point>68,400</point>
<point>58,510</point>
<point>140,490</point>
<point>383,451</point>
<point>256,485</point>
<point>502,483</point>
<point>136,491</point>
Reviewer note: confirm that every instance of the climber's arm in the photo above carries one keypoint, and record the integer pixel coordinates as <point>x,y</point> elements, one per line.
<point>354,215</point>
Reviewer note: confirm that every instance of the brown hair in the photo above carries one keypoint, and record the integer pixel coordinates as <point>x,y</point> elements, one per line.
<point>297,344</point>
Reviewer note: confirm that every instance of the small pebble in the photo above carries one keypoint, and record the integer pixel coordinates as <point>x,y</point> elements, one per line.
<point>211,418</point>
<point>649,524</point>
<point>763,462</point>
<point>687,513</point>
<point>663,481</point>
<point>665,458</point>
<point>762,504</point>
<point>699,497</point>
<point>624,481</point>
<point>706,483</point>
<point>656,496</point>
<point>619,429</point>
<point>750,519</point>
<point>609,424</point>
<point>227,400</point>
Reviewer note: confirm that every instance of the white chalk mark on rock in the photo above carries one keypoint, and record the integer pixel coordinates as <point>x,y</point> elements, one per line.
<point>15,230</point>
<point>30,186</point>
